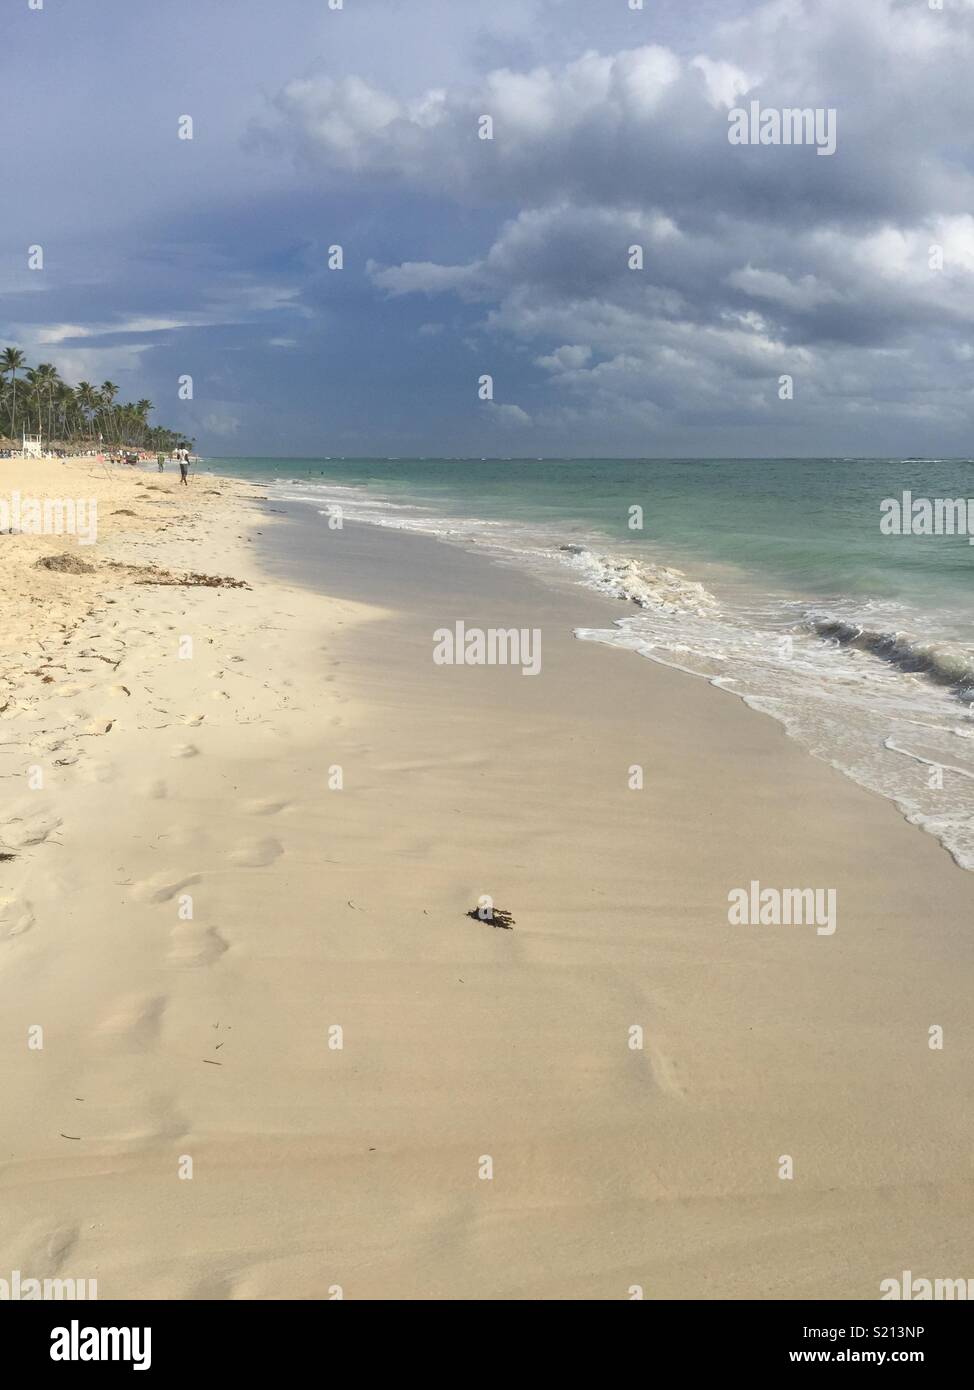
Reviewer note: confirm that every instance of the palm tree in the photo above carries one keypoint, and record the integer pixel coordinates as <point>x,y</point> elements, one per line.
<point>74,413</point>
<point>143,410</point>
<point>87,398</point>
<point>65,407</point>
<point>108,393</point>
<point>48,382</point>
<point>35,394</point>
<point>12,361</point>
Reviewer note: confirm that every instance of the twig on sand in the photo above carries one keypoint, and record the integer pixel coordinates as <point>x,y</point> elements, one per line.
<point>494,916</point>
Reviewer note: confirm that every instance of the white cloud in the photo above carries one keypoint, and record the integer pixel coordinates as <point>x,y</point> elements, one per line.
<point>423,277</point>
<point>506,415</point>
<point>805,293</point>
<point>565,358</point>
<point>66,332</point>
<point>725,82</point>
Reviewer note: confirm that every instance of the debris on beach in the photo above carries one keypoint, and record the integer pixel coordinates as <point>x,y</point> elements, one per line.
<point>151,574</point>
<point>495,916</point>
<point>64,564</point>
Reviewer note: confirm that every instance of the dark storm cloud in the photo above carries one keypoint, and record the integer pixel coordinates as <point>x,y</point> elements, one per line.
<point>852,271</point>
<point>510,255</point>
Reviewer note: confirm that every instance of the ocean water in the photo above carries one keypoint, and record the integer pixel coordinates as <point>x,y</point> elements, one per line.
<point>771,578</point>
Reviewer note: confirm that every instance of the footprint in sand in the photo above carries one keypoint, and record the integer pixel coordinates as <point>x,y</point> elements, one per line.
<point>215,1288</point>
<point>665,1073</point>
<point>98,728</point>
<point>16,917</point>
<point>45,745</point>
<point>20,832</point>
<point>161,889</point>
<point>161,1120</point>
<point>194,945</point>
<point>136,1017</point>
<point>42,1248</point>
<point>256,854</point>
<point>183,750</point>
<point>155,791</point>
<point>260,807</point>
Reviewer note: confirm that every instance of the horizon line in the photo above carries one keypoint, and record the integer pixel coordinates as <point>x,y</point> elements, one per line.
<point>591,458</point>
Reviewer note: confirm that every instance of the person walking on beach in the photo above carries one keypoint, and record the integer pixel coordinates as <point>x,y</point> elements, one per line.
<point>161,460</point>
<point>184,467</point>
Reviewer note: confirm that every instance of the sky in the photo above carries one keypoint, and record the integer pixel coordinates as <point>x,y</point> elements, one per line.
<point>462,258</point>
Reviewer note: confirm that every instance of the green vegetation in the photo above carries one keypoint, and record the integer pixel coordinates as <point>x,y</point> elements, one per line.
<point>36,400</point>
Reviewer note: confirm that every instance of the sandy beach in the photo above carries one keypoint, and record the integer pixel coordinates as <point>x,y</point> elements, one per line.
<point>279,1060</point>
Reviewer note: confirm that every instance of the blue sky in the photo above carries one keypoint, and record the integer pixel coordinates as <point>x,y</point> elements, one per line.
<point>462,257</point>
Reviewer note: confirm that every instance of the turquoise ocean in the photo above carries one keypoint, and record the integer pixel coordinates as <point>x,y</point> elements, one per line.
<point>771,578</point>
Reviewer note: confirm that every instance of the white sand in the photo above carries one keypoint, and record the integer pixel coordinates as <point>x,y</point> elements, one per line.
<point>359,1168</point>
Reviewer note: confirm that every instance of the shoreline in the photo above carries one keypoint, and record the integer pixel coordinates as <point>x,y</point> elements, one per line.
<point>315,908</point>
<point>607,626</point>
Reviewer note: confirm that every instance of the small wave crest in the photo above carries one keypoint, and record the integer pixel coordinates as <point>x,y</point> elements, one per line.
<point>938,662</point>
<point>642,582</point>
